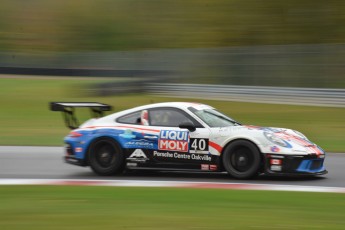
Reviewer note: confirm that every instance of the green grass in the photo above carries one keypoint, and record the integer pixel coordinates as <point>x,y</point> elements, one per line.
<point>26,120</point>
<point>55,207</point>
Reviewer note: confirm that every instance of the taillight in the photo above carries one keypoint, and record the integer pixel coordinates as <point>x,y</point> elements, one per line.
<point>75,134</point>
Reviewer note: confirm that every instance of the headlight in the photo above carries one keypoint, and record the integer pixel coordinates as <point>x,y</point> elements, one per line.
<point>276,140</point>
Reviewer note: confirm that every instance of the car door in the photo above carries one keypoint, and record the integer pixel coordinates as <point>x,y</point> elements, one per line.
<point>178,147</point>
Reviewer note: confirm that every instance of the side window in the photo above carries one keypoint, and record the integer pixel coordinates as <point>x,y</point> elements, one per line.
<point>132,118</point>
<point>167,117</point>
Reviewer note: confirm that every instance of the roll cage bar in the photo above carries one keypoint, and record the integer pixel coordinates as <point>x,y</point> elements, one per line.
<point>68,111</point>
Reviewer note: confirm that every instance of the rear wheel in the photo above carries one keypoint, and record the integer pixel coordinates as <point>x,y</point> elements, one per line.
<point>242,159</point>
<point>106,157</point>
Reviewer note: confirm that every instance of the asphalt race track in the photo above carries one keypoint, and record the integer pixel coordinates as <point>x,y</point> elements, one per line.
<point>27,162</point>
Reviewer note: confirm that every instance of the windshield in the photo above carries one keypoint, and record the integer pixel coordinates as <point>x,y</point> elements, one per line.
<point>213,118</point>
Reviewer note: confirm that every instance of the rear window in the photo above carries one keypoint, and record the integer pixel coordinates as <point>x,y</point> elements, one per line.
<point>132,118</point>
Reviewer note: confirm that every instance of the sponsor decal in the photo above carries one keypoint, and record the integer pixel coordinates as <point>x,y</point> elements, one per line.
<point>172,140</point>
<point>176,155</point>
<point>204,167</point>
<point>310,147</point>
<point>163,154</point>
<point>128,134</point>
<point>275,149</point>
<point>275,161</point>
<point>138,153</point>
<point>201,157</point>
<point>78,150</point>
<point>143,143</point>
<point>198,145</point>
<point>213,167</point>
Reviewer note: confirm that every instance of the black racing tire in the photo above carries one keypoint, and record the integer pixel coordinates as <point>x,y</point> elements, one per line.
<point>242,159</point>
<point>106,157</point>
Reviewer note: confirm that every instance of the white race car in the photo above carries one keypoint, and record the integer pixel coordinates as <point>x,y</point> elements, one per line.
<point>184,136</point>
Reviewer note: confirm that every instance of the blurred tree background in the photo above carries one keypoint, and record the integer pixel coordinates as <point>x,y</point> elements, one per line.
<point>281,42</point>
<point>70,25</point>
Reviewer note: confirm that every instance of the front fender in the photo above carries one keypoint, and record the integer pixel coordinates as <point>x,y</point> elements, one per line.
<point>235,138</point>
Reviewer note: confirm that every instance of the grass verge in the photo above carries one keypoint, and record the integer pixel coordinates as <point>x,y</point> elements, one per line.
<point>52,207</point>
<point>26,120</point>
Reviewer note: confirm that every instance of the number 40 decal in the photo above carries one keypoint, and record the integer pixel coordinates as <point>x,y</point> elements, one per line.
<point>198,145</point>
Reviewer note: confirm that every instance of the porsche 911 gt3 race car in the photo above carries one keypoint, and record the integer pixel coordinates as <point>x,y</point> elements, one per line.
<point>184,136</point>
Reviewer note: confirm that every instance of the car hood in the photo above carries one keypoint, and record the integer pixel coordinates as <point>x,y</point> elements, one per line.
<point>283,133</point>
<point>287,140</point>
<point>251,129</point>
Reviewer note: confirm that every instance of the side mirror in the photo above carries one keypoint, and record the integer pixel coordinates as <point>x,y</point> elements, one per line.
<point>187,125</point>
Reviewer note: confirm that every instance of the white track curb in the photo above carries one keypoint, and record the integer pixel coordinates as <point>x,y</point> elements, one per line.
<point>176,184</point>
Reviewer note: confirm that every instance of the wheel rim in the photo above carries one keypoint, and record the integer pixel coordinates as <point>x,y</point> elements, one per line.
<point>105,155</point>
<point>242,160</point>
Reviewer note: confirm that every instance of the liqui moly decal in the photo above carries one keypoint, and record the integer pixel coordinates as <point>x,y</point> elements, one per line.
<point>171,140</point>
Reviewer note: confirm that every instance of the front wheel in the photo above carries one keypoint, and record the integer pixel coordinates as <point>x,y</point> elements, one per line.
<point>106,157</point>
<point>242,159</point>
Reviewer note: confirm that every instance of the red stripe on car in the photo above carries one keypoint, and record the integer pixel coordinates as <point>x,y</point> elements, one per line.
<point>216,146</point>
<point>122,126</point>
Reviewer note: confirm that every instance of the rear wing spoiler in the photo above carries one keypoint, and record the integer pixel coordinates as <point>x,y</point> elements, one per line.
<point>68,111</point>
